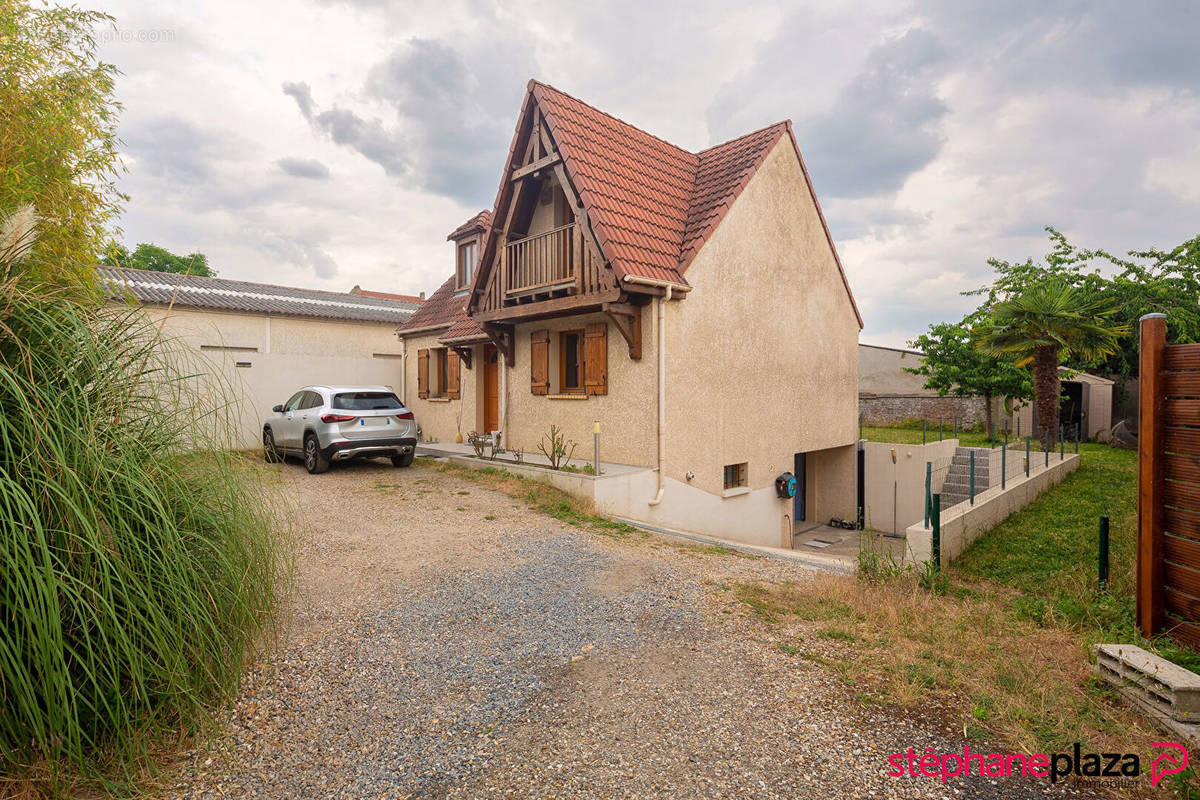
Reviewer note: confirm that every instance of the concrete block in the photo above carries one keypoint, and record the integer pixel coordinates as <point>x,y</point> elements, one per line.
<point>1150,681</point>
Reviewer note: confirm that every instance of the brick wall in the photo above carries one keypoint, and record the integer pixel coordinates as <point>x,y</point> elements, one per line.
<point>893,408</point>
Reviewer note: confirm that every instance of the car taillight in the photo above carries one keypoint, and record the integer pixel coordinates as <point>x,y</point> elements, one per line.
<point>336,417</point>
<point>405,415</point>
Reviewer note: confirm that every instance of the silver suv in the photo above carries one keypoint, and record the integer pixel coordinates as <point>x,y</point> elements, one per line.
<point>333,423</point>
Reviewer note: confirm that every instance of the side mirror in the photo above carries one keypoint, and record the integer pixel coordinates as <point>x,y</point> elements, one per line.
<point>277,409</point>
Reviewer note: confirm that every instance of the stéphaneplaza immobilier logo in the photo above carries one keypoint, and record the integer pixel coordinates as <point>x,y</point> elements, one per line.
<point>1053,767</point>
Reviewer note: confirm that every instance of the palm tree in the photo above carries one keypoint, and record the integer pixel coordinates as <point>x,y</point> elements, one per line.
<point>1047,321</point>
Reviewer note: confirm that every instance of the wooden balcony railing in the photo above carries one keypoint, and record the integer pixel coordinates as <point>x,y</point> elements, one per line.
<point>541,263</point>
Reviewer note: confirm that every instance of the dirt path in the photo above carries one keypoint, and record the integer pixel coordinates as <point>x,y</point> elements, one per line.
<point>446,641</point>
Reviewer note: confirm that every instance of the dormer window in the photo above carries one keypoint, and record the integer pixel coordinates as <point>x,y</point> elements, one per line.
<point>467,254</point>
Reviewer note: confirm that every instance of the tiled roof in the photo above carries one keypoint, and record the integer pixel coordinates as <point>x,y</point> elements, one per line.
<point>652,205</point>
<point>222,294</point>
<point>721,174</point>
<point>387,295</point>
<point>480,222</point>
<point>445,308</point>
<point>635,186</point>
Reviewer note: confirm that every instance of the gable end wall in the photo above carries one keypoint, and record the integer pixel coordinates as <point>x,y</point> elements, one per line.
<point>762,356</point>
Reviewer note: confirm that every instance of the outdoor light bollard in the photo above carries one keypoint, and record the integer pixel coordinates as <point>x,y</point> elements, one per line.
<point>1102,567</point>
<point>1027,443</point>
<point>972,477</point>
<point>596,448</point>
<point>928,486</point>
<point>937,531</point>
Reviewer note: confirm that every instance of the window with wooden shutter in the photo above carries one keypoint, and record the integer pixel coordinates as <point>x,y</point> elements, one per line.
<point>539,362</point>
<point>453,376</point>
<point>595,359</point>
<point>423,374</point>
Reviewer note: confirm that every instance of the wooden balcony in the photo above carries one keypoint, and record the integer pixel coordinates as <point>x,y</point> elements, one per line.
<point>543,264</point>
<point>546,274</point>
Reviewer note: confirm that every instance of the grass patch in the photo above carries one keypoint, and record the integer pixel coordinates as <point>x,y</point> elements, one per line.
<point>1003,635</point>
<point>539,496</point>
<point>910,433</point>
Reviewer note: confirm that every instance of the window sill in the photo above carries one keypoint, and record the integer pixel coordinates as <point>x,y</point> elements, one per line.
<point>735,491</point>
<point>571,396</point>
<point>438,399</point>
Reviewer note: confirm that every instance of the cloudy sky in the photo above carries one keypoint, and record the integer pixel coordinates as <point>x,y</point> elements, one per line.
<point>328,144</point>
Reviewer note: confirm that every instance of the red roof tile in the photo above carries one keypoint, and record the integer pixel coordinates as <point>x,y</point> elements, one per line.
<point>445,308</point>
<point>652,205</point>
<point>480,222</point>
<point>409,298</point>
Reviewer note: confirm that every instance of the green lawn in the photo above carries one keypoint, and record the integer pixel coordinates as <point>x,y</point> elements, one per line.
<point>1048,553</point>
<point>908,433</point>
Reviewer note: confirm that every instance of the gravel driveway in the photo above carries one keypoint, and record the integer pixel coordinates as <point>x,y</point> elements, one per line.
<point>446,641</point>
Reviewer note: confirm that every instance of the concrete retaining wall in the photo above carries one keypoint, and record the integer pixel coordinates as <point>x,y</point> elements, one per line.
<point>964,523</point>
<point>894,490</point>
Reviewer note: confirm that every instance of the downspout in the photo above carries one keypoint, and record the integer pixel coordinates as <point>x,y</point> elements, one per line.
<point>503,391</point>
<point>662,389</point>
<point>403,368</point>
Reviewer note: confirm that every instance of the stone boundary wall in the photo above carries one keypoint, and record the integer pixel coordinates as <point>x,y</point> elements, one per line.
<point>889,409</point>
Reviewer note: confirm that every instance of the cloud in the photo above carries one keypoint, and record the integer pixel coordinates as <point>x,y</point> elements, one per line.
<point>302,93</point>
<point>304,168</point>
<point>884,125</point>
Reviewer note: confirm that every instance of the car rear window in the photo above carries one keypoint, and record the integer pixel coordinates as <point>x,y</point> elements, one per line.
<point>366,401</point>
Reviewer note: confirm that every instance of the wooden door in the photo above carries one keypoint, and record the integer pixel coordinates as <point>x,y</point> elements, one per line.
<point>491,388</point>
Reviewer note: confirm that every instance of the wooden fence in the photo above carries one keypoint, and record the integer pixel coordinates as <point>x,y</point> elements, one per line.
<point>1168,571</point>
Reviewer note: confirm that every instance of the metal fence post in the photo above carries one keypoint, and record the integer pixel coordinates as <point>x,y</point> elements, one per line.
<point>928,487</point>
<point>956,427</point>
<point>1061,451</point>
<point>1076,437</point>
<point>1004,462</point>
<point>860,420</point>
<point>992,433</point>
<point>1102,567</point>
<point>972,477</point>
<point>937,531</point>
<point>939,429</point>
<point>1046,447</point>
<point>1027,443</point>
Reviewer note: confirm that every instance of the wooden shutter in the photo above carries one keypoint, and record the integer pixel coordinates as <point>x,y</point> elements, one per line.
<point>539,362</point>
<point>423,374</point>
<point>595,359</point>
<point>453,375</point>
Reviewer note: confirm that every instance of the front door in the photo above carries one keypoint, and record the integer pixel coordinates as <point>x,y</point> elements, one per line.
<point>491,388</point>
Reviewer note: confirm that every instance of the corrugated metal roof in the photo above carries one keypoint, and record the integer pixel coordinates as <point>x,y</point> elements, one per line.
<point>164,288</point>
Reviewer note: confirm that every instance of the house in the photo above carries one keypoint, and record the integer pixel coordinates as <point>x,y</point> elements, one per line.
<point>690,305</point>
<point>889,394</point>
<point>266,341</point>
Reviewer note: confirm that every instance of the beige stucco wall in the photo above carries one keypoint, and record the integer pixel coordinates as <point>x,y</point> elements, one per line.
<point>894,492</point>
<point>283,353</point>
<point>627,414</point>
<point>440,419</point>
<point>881,371</point>
<point>762,355</point>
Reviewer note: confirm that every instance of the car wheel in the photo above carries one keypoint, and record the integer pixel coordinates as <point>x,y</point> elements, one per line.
<point>403,460</point>
<point>314,461</point>
<point>270,451</point>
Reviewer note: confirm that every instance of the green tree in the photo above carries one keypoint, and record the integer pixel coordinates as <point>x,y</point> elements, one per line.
<point>954,365</point>
<point>1144,281</point>
<point>1050,320</point>
<point>58,145</point>
<point>159,259</point>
